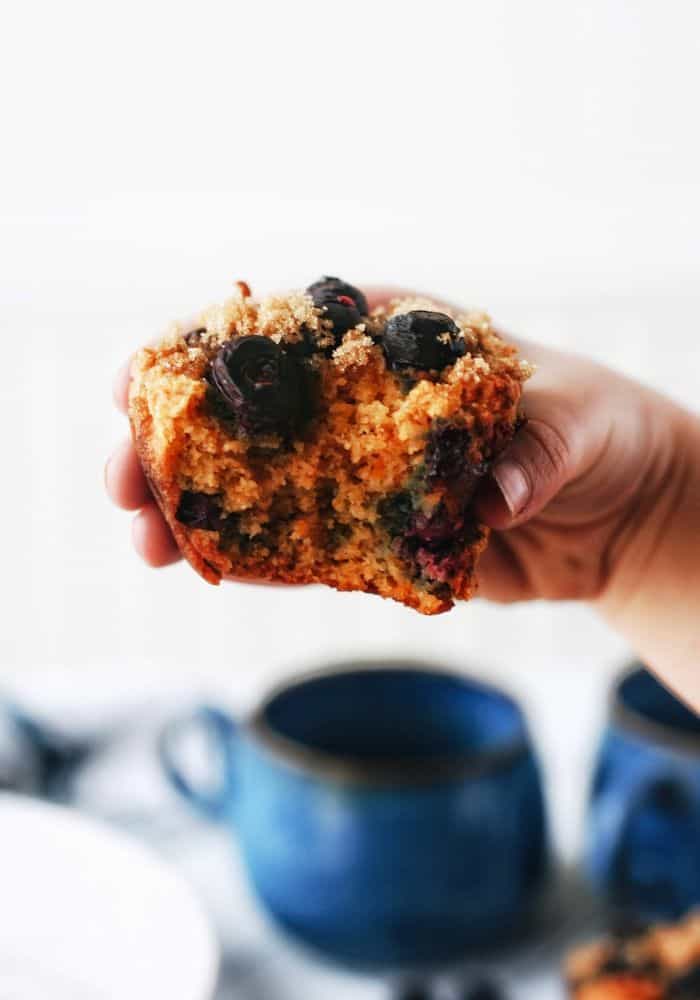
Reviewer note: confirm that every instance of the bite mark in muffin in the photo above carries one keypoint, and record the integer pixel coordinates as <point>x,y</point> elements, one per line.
<point>305,439</point>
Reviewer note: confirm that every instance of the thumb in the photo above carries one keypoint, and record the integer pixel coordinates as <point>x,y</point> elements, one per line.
<point>545,454</point>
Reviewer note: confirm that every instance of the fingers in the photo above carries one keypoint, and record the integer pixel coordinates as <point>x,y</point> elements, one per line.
<point>120,388</point>
<point>124,479</point>
<point>541,460</point>
<point>152,538</point>
<point>565,430</point>
<point>127,487</point>
<point>502,574</point>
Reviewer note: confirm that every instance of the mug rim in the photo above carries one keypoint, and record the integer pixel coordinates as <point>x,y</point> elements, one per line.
<point>642,725</point>
<point>383,771</point>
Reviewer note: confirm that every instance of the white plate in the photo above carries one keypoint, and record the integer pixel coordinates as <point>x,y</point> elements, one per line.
<point>87,914</point>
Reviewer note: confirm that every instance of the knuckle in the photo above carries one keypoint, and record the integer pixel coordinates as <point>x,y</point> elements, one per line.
<point>550,452</point>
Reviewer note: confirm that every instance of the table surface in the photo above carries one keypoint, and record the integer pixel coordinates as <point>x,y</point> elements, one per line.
<point>259,963</point>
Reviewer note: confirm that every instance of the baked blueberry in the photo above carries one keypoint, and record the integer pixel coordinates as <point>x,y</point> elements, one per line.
<point>396,513</point>
<point>447,460</point>
<point>200,510</point>
<point>438,528</point>
<point>422,339</point>
<point>304,347</point>
<point>327,287</point>
<point>447,453</point>
<point>343,304</point>
<point>260,385</point>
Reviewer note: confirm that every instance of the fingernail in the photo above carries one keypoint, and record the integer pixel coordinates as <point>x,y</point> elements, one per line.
<point>514,485</point>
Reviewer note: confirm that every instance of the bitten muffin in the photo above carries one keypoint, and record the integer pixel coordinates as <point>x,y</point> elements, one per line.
<point>305,439</point>
<point>658,963</point>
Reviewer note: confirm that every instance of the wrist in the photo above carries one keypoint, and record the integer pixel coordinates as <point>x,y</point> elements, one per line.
<point>653,596</point>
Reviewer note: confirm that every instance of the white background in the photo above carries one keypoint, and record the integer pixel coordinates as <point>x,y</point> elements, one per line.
<point>539,159</point>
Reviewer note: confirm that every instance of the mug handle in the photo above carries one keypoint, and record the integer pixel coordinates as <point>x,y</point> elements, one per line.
<point>220,730</point>
<point>614,812</point>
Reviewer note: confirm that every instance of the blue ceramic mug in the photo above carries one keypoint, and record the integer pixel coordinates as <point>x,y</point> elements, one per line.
<point>384,815</point>
<point>643,846</point>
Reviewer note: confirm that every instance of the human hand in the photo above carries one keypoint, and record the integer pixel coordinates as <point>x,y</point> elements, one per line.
<point>598,498</point>
<point>564,500</point>
<point>576,486</point>
<point>128,488</point>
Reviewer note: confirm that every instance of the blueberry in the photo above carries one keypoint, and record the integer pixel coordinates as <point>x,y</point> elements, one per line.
<point>304,347</point>
<point>328,287</point>
<point>422,339</point>
<point>436,542</point>
<point>438,528</point>
<point>259,384</point>
<point>447,460</point>
<point>396,513</point>
<point>447,453</point>
<point>433,544</point>
<point>343,304</point>
<point>200,510</point>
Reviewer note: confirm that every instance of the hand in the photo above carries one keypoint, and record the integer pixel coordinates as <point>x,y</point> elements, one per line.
<point>573,489</point>
<point>562,499</point>
<point>597,498</point>
<point>127,487</point>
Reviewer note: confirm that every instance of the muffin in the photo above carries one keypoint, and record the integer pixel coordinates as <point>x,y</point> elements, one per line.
<point>307,439</point>
<point>657,963</point>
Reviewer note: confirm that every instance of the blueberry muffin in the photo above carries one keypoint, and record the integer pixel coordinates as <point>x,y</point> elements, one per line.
<point>659,963</point>
<point>305,439</point>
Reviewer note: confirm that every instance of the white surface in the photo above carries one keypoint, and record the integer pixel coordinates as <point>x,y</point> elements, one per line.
<point>541,146</point>
<point>91,915</point>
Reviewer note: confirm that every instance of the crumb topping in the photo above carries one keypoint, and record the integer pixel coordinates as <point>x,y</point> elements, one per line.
<point>343,493</point>
<point>354,350</point>
<point>660,962</point>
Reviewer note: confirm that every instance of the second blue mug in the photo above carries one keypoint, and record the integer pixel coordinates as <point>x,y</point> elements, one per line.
<point>644,823</point>
<point>384,815</point>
